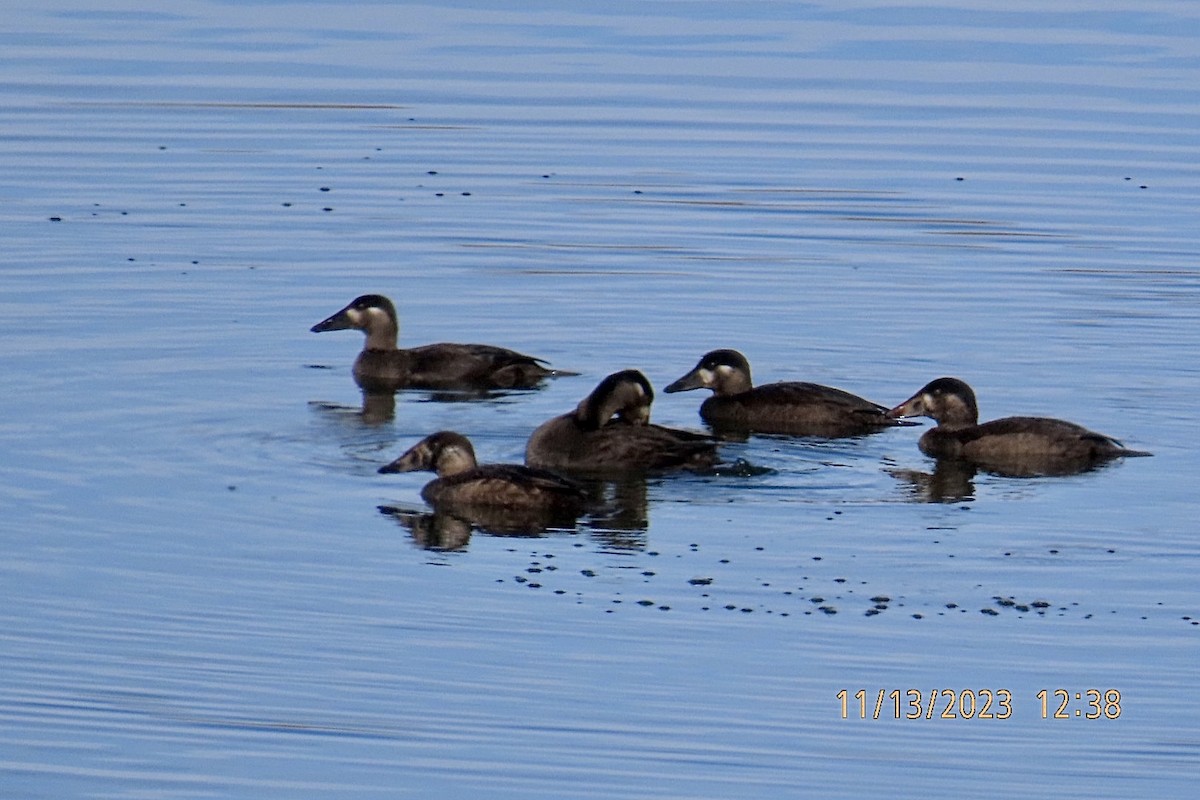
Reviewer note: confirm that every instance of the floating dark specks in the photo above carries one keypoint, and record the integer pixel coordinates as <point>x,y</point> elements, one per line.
<point>56,219</point>
<point>700,581</point>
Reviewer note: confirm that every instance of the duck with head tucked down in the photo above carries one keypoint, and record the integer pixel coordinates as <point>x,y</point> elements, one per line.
<point>384,367</point>
<point>793,407</point>
<point>610,432</point>
<point>462,483</point>
<point>1015,446</point>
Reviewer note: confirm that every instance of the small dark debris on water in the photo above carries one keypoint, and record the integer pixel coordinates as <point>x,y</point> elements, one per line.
<point>827,610</point>
<point>588,573</point>
<point>700,581</point>
<point>646,603</point>
<point>991,612</point>
<point>56,219</point>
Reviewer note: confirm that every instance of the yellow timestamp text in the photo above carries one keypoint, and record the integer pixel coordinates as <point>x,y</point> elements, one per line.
<point>997,704</point>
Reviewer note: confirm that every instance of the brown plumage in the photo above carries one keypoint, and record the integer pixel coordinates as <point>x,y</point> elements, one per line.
<point>1019,446</point>
<point>384,367</point>
<point>462,484</point>
<point>609,432</point>
<point>801,409</point>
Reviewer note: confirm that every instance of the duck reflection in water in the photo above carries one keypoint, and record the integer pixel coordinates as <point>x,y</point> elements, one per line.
<point>616,516</point>
<point>376,409</point>
<point>503,498</point>
<point>1012,446</point>
<point>609,434</point>
<point>950,481</point>
<point>382,366</point>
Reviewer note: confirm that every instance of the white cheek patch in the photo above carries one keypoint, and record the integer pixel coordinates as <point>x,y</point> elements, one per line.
<point>708,377</point>
<point>377,316</point>
<point>355,317</point>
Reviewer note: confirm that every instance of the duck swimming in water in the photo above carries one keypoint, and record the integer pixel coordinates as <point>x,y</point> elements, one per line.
<point>610,432</point>
<point>1016,446</point>
<point>384,367</point>
<point>461,483</point>
<point>801,409</point>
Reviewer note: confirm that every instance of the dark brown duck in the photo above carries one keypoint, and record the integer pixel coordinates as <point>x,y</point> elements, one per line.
<point>610,432</point>
<point>461,483</point>
<point>384,367</point>
<point>801,409</point>
<point>1019,446</point>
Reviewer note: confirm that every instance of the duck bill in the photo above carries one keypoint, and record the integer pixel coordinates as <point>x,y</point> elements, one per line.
<point>692,380</point>
<point>912,407</point>
<point>340,321</point>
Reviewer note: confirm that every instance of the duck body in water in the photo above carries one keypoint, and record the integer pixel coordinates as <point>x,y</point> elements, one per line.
<point>1017,446</point>
<point>463,483</point>
<point>792,407</point>
<point>382,366</point>
<point>609,432</point>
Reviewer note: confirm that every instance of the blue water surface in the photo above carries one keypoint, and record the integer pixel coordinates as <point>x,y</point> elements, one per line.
<point>200,594</point>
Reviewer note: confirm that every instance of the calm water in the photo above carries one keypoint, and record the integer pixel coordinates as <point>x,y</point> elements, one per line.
<point>200,595</point>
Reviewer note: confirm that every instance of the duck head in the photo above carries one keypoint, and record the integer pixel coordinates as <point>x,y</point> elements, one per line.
<point>373,314</point>
<point>626,394</point>
<point>723,371</point>
<point>948,401</point>
<point>444,452</point>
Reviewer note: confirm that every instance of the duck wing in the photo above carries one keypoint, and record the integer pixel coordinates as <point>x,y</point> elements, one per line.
<point>447,365</point>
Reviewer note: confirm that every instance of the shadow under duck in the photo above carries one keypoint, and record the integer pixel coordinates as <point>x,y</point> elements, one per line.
<point>384,367</point>
<point>1016,446</point>
<point>791,407</point>
<point>610,432</point>
<point>464,484</point>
